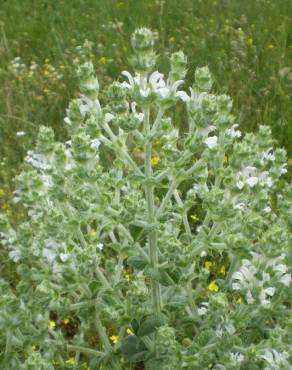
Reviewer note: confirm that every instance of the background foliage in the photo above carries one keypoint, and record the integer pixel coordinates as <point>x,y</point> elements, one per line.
<point>247,45</point>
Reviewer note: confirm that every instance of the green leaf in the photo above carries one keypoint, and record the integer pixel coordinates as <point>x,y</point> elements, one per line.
<point>134,349</point>
<point>151,323</point>
<point>162,277</point>
<point>139,262</point>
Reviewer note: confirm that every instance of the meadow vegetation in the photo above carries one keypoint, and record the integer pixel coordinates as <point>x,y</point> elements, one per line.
<point>246,44</point>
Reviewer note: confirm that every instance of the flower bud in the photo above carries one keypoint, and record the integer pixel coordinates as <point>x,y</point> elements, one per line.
<point>117,99</point>
<point>143,40</point>
<point>178,63</point>
<point>88,82</point>
<point>203,79</point>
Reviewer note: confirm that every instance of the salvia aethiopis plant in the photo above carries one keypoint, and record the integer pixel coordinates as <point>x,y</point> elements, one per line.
<point>150,243</point>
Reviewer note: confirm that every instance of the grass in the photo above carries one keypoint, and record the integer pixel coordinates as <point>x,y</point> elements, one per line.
<point>247,45</point>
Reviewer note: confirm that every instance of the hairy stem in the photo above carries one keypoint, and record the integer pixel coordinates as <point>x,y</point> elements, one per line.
<point>184,215</point>
<point>86,350</point>
<point>152,237</point>
<point>105,341</point>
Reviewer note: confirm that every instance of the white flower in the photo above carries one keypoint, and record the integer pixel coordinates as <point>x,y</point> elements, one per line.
<point>230,328</point>
<point>95,143</point>
<point>99,246</point>
<point>183,96</point>
<point>109,117</point>
<point>49,254</point>
<point>207,130</point>
<point>138,116</point>
<point>265,179</point>
<point>155,84</point>
<point>232,132</point>
<point>249,298</point>
<point>246,176</point>
<point>265,293</point>
<point>281,273</point>
<point>67,120</point>
<point>64,257</point>
<point>131,84</point>
<point>283,169</point>
<point>219,332</point>
<point>239,184</point>
<point>14,255</point>
<point>236,357</point>
<point>252,181</point>
<point>193,97</point>
<point>268,155</point>
<point>275,358</point>
<point>266,276</point>
<point>211,142</point>
<point>20,133</point>
<point>239,206</point>
<point>244,276</point>
<point>202,310</point>
<point>156,80</point>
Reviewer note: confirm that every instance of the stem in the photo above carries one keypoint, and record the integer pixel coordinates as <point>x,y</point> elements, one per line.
<point>105,341</point>
<point>117,191</point>
<point>99,273</point>
<point>157,121</point>
<point>232,268</point>
<point>86,350</point>
<point>122,150</point>
<point>184,216</point>
<point>166,199</point>
<point>152,238</point>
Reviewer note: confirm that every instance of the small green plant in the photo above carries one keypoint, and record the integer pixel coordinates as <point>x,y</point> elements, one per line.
<point>150,243</point>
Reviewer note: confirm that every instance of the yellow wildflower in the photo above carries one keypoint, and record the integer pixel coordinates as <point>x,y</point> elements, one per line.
<point>103,60</point>
<point>92,233</point>
<point>155,160</point>
<point>208,265</point>
<point>71,361</point>
<point>66,321</point>
<point>6,207</point>
<point>222,270</point>
<point>129,331</point>
<point>52,324</point>
<point>114,338</point>
<point>249,41</point>
<point>46,91</point>
<point>127,276</point>
<point>194,217</point>
<point>171,40</point>
<point>46,73</point>
<point>213,287</point>
<point>239,300</point>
